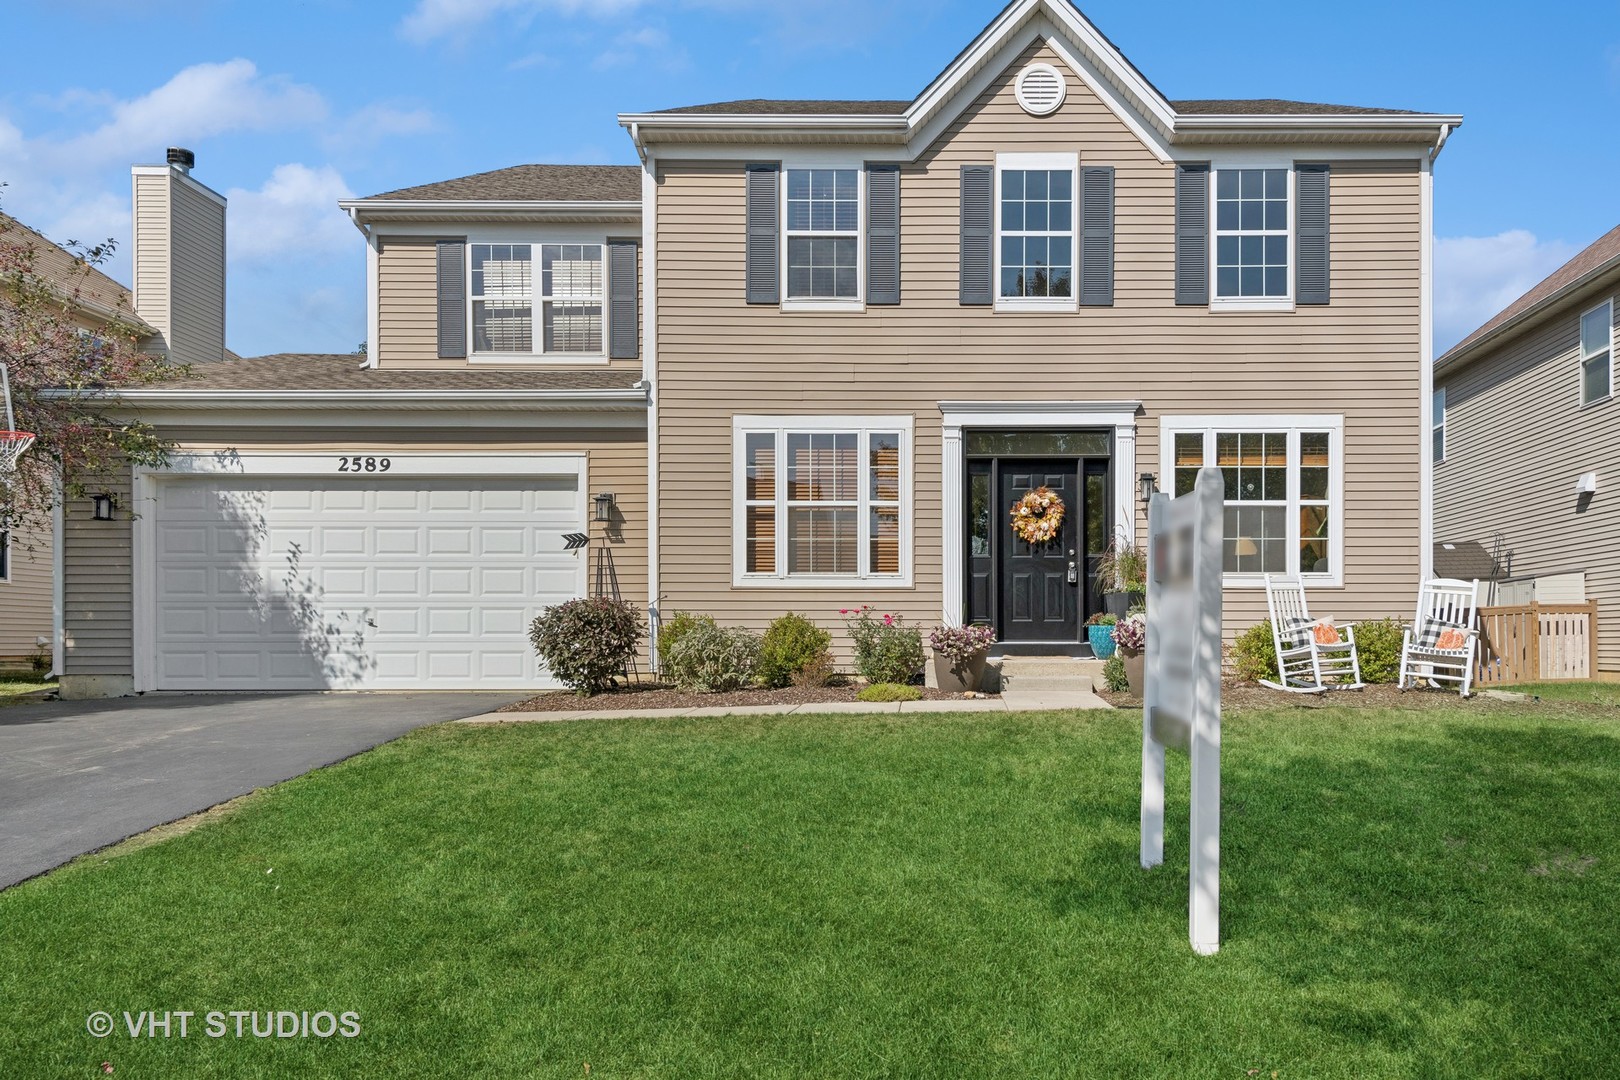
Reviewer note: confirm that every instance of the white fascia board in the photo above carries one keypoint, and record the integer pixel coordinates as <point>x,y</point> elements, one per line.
<point>628,399</point>
<point>381,210</point>
<point>1424,129</point>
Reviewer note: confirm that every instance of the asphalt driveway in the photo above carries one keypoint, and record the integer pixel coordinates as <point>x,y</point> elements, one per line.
<point>76,776</point>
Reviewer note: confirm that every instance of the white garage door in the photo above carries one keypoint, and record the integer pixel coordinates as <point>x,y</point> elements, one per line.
<point>270,583</point>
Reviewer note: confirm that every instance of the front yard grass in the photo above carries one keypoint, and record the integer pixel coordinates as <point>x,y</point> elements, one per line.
<point>1406,894</point>
<point>16,689</point>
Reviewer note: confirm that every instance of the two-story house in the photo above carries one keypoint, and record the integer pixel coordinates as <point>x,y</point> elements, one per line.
<point>813,351</point>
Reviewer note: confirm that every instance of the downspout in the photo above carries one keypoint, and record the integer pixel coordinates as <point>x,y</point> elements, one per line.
<point>373,314</point>
<point>1440,143</point>
<point>58,599</point>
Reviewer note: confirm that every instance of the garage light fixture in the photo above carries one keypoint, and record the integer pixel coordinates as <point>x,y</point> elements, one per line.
<point>1147,483</point>
<point>104,505</point>
<point>604,506</point>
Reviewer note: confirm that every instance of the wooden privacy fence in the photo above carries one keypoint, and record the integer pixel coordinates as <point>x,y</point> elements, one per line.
<point>1536,643</point>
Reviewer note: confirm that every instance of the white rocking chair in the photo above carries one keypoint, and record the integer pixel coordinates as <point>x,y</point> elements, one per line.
<point>1444,604</point>
<point>1304,664</point>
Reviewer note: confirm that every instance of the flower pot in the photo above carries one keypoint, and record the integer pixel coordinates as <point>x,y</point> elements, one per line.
<point>1119,604</point>
<point>1102,641</point>
<point>972,673</point>
<point>1135,662</point>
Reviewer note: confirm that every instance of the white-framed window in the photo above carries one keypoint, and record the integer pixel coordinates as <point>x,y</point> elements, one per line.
<point>1252,257</point>
<point>1035,243</point>
<point>822,210</point>
<point>1284,490</point>
<point>1597,353</point>
<point>569,292</point>
<point>822,500</point>
<point>1439,424</point>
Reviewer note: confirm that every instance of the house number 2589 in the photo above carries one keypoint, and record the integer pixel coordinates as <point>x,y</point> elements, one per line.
<point>364,464</point>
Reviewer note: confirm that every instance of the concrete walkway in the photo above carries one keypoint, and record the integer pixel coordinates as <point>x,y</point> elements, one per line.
<point>1007,703</point>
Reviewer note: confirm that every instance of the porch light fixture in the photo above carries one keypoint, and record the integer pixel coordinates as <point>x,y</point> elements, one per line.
<point>1148,483</point>
<point>604,506</point>
<point>104,506</point>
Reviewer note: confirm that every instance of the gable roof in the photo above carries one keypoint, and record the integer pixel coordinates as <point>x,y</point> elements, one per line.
<point>73,278</point>
<point>529,183</point>
<point>1600,258</point>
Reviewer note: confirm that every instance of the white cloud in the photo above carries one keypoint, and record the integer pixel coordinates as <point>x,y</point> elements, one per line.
<point>294,216</point>
<point>432,19</point>
<point>648,45</point>
<point>374,123</point>
<point>1477,276</point>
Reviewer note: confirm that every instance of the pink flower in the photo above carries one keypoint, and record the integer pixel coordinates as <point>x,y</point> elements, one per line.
<point>888,620</point>
<point>843,611</point>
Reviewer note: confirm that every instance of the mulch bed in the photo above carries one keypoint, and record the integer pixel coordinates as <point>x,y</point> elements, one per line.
<point>659,696</point>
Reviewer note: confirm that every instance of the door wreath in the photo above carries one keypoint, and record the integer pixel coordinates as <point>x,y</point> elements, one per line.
<point>1037,517</point>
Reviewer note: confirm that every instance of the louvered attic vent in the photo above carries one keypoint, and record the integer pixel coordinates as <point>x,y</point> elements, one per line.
<point>1041,89</point>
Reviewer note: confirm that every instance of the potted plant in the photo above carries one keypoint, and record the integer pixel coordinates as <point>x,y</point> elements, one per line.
<point>959,656</point>
<point>1122,576</point>
<point>1100,632</point>
<point>1130,634</point>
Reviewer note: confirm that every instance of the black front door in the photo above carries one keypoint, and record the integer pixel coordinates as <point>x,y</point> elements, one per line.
<point>1039,585</point>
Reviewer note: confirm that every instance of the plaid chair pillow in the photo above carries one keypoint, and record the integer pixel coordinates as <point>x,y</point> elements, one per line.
<point>1297,634</point>
<point>1438,635</point>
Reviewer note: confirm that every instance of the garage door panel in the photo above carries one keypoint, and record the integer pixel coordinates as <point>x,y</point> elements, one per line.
<point>375,582</point>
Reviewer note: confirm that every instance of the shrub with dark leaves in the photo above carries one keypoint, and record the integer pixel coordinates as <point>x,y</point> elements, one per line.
<point>586,642</point>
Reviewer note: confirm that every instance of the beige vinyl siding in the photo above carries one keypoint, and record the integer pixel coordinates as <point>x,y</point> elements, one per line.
<point>408,310</point>
<point>26,598</point>
<point>151,256</point>
<point>717,355</point>
<point>197,328</point>
<point>97,588</point>
<point>98,583</point>
<point>1517,437</point>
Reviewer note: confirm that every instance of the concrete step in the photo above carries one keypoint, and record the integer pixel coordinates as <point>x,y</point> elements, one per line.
<point>1047,675</point>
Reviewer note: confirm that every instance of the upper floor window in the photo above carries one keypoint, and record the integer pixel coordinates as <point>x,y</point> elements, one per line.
<point>1035,230</point>
<point>1439,421</point>
<point>504,297</point>
<point>1252,234</point>
<point>1597,352</point>
<point>823,234</point>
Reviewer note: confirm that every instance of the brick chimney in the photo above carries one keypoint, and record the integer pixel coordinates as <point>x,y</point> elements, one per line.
<point>179,259</point>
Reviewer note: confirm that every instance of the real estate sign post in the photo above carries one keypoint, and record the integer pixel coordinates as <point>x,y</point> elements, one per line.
<point>1182,697</point>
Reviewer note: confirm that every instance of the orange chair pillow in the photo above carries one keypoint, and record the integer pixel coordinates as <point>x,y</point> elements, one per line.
<point>1451,638</point>
<point>1326,633</point>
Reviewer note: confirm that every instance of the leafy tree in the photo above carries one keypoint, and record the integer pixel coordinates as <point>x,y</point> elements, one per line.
<point>81,437</point>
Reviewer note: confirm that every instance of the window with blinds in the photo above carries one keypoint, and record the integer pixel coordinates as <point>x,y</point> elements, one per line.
<point>571,297</point>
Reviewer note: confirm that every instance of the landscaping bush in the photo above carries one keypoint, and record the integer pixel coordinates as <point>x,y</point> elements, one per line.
<point>886,651</point>
<point>790,642</point>
<point>1114,676</point>
<point>587,642</point>
<point>888,691</point>
<point>960,645</point>
<point>1254,654</point>
<point>818,671</point>
<point>1378,644</point>
<point>677,627</point>
<point>711,658</point>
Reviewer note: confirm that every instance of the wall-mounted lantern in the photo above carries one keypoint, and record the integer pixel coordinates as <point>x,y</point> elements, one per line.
<point>1147,483</point>
<point>104,506</point>
<point>604,506</point>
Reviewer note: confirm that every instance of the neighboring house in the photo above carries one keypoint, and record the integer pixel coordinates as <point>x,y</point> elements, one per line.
<point>1526,438</point>
<point>815,350</point>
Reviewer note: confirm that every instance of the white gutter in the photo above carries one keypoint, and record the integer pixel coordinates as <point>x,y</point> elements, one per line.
<point>1440,143</point>
<point>630,398</point>
<point>1415,122</point>
<point>473,209</point>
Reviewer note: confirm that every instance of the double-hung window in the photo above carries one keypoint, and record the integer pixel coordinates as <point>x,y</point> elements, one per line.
<point>823,235</point>
<point>1438,420</point>
<point>569,292</point>
<point>1284,490</point>
<point>1035,231</point>
<point>1597,353</point>
<point>1253,236</point>
<point>822,500</point>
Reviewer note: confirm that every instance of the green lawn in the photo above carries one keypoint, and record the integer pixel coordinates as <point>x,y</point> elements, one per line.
<point>15,689</point>
<point>1430,893</point>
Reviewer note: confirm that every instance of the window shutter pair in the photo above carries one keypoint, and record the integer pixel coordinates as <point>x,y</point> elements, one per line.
<point>762,272</point>
<point>1311,249</point>
<point>623,299</point>
<point>1096,269</point>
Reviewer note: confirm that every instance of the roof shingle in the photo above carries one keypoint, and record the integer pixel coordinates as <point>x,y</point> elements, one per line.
<point>342,372</point>
<point>1195,107</point>
<point>67,273</point>
<point>533,183</point>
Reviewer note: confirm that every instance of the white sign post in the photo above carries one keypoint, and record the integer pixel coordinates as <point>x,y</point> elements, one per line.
<point>1182,698</point>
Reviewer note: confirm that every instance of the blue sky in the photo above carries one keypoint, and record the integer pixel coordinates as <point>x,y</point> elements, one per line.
<point>294,104</point>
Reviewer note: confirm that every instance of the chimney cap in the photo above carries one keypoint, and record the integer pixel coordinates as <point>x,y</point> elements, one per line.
<point>179,155</point>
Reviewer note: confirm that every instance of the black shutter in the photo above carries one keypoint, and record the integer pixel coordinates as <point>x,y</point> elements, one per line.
<point>883,234</point>
<point>1097,235</point>
<point>977,188</point>
<point>452,288</point>
<point>763,274</point>
<point>624,295</point>
<point>1311,183</point>
<point>1192,234</point>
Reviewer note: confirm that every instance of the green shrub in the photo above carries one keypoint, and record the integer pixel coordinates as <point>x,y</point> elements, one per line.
<point>886,650</point>
<point>585,643</point>
<point>677,627</point>
<point>790,642</point>
<point>1114,676</point>
<point>1254,654</point>
<point>888,691</point>
<point>1378,645</point>
<point>710,658</point>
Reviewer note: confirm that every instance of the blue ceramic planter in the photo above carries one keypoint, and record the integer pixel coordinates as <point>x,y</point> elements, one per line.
<point>1102,641</point>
